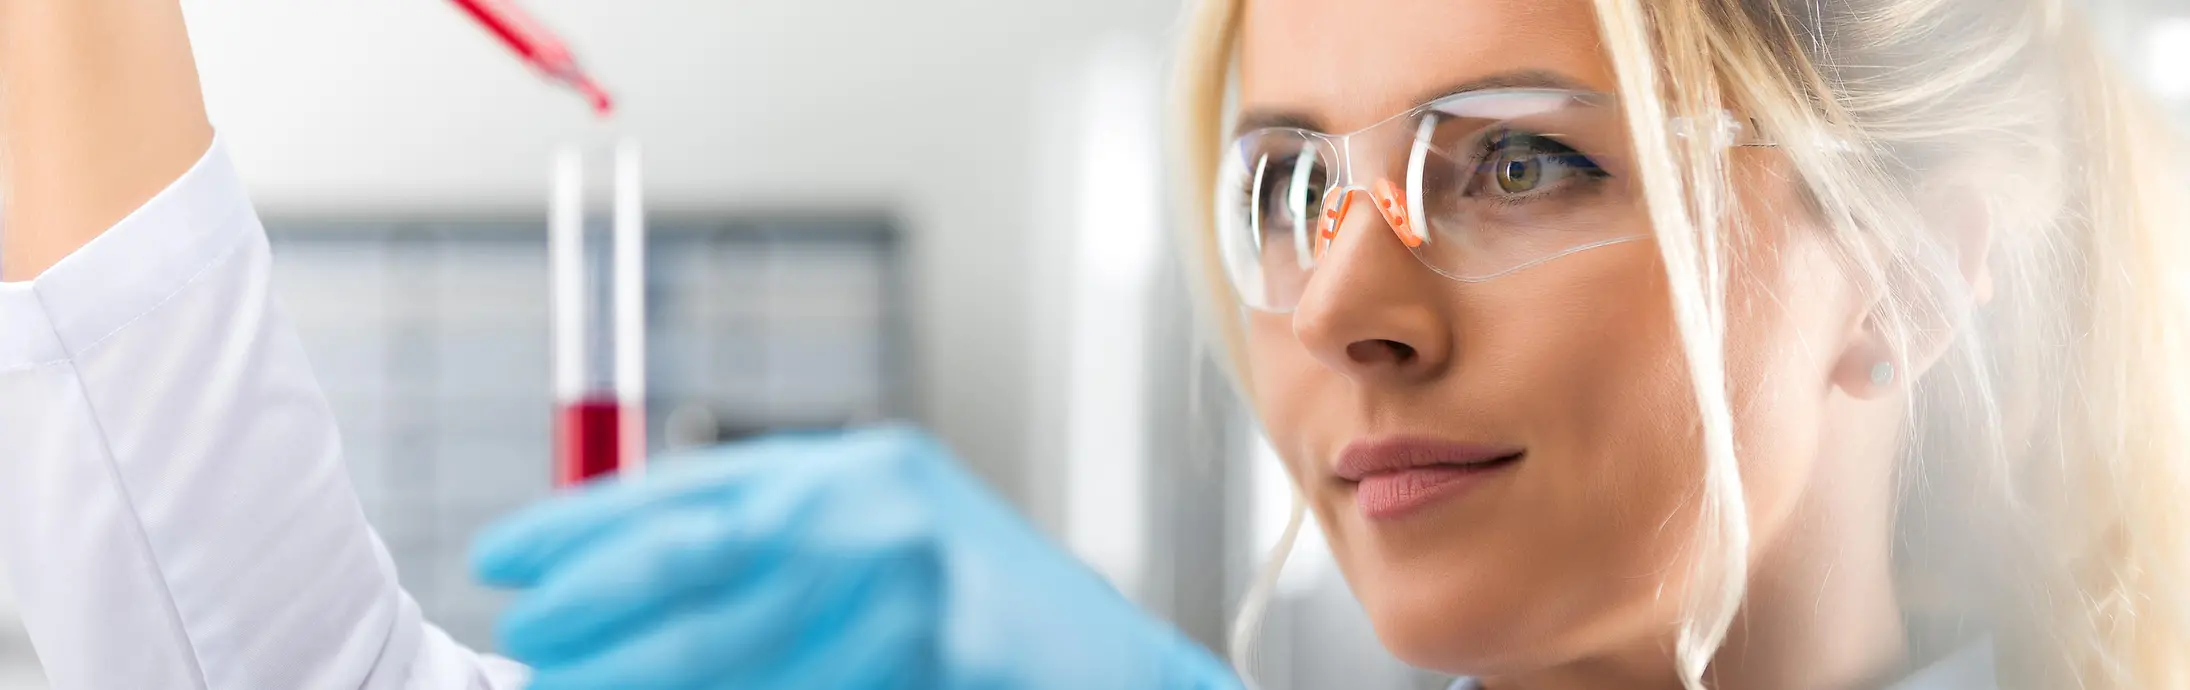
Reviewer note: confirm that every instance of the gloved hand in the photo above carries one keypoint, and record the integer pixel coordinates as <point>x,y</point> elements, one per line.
<point>866,560</point>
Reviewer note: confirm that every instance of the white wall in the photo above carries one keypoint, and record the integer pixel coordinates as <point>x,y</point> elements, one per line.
<point>918,109</point>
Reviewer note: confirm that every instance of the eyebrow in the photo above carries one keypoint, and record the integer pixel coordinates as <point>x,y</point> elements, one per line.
<point>1517,79</point>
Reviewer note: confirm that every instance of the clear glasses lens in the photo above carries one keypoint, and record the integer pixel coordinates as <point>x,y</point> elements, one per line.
<point>1492,182</point>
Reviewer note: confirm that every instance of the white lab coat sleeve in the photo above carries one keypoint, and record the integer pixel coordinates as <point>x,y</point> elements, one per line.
<point>174,508</point>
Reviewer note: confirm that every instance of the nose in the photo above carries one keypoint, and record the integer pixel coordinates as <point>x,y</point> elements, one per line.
<point>1373,313</point>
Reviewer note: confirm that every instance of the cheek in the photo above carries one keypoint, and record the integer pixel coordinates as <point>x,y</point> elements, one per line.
<point>1287,382</point>
<point>1610,396</point>
<point>1785,329</point>
<point>1609,407</point>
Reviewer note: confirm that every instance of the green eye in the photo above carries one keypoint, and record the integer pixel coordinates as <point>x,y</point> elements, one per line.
<point>1525,165</point>
<point>1518,172</point>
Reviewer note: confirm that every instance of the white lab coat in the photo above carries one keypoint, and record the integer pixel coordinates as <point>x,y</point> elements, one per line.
<point>174,507</point>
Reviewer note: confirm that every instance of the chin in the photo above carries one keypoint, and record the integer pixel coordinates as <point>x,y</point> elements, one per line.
<point>1453,623</point>
<point>1450,613</point>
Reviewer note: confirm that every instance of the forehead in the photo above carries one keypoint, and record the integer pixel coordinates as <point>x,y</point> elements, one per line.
<point>1345,64</point>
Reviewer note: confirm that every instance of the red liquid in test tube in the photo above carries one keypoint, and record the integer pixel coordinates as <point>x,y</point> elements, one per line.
<point>598,301</point>
<point>589,439</point>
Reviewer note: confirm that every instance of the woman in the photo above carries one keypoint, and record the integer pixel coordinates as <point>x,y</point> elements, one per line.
<point>1907,255</point>
<point>1622,344</point>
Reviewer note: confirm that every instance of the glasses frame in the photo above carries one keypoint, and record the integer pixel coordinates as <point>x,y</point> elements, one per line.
<point>1401,204</point>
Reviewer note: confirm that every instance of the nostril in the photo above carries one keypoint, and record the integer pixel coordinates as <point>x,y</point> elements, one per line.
<point>1381,352</point>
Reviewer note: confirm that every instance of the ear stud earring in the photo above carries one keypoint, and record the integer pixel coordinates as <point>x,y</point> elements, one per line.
<point>1882,373</point>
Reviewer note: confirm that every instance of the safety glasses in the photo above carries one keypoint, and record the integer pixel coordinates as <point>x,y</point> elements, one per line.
<point>1477,185</point>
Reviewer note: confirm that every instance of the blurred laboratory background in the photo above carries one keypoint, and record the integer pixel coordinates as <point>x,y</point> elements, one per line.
<point>947,211</point>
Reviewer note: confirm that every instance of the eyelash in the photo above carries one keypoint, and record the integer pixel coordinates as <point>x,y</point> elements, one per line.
<point>1539,146</point>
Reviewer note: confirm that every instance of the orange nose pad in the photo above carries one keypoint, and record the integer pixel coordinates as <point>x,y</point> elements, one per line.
<point>1333,216</point>
<point>1393,203</point>
<point>1389,201</point>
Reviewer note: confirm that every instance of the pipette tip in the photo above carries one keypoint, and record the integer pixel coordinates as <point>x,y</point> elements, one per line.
<point>602,105</point>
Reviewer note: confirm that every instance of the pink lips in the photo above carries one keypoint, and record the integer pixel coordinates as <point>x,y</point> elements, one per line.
<point>1396,476</point>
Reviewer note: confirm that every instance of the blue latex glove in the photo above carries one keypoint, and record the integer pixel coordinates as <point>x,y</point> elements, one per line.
<point>868,560</point>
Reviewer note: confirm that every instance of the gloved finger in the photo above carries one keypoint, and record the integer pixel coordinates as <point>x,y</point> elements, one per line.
<point>896,642</point>
<point>682,651</point>
<point>516,550</point>
<point>672,557</point>
<point>874,604</point>
<point>644,572</point>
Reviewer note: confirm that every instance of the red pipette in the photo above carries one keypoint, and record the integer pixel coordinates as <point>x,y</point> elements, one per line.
<point>537,46</point>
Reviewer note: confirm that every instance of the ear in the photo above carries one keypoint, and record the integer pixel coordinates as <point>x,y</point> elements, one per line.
<point>1960,225</point>
<point>1961,217</point>
<point>1868,368</point>
<point>1959,222</point>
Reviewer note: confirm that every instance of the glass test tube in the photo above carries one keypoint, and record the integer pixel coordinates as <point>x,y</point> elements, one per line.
<point>597,274</point>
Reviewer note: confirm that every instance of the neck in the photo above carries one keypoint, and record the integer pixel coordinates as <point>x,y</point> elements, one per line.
<point>1821,614</point>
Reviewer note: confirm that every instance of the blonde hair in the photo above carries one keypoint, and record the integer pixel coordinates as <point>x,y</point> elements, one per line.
<point>2051,435</point>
